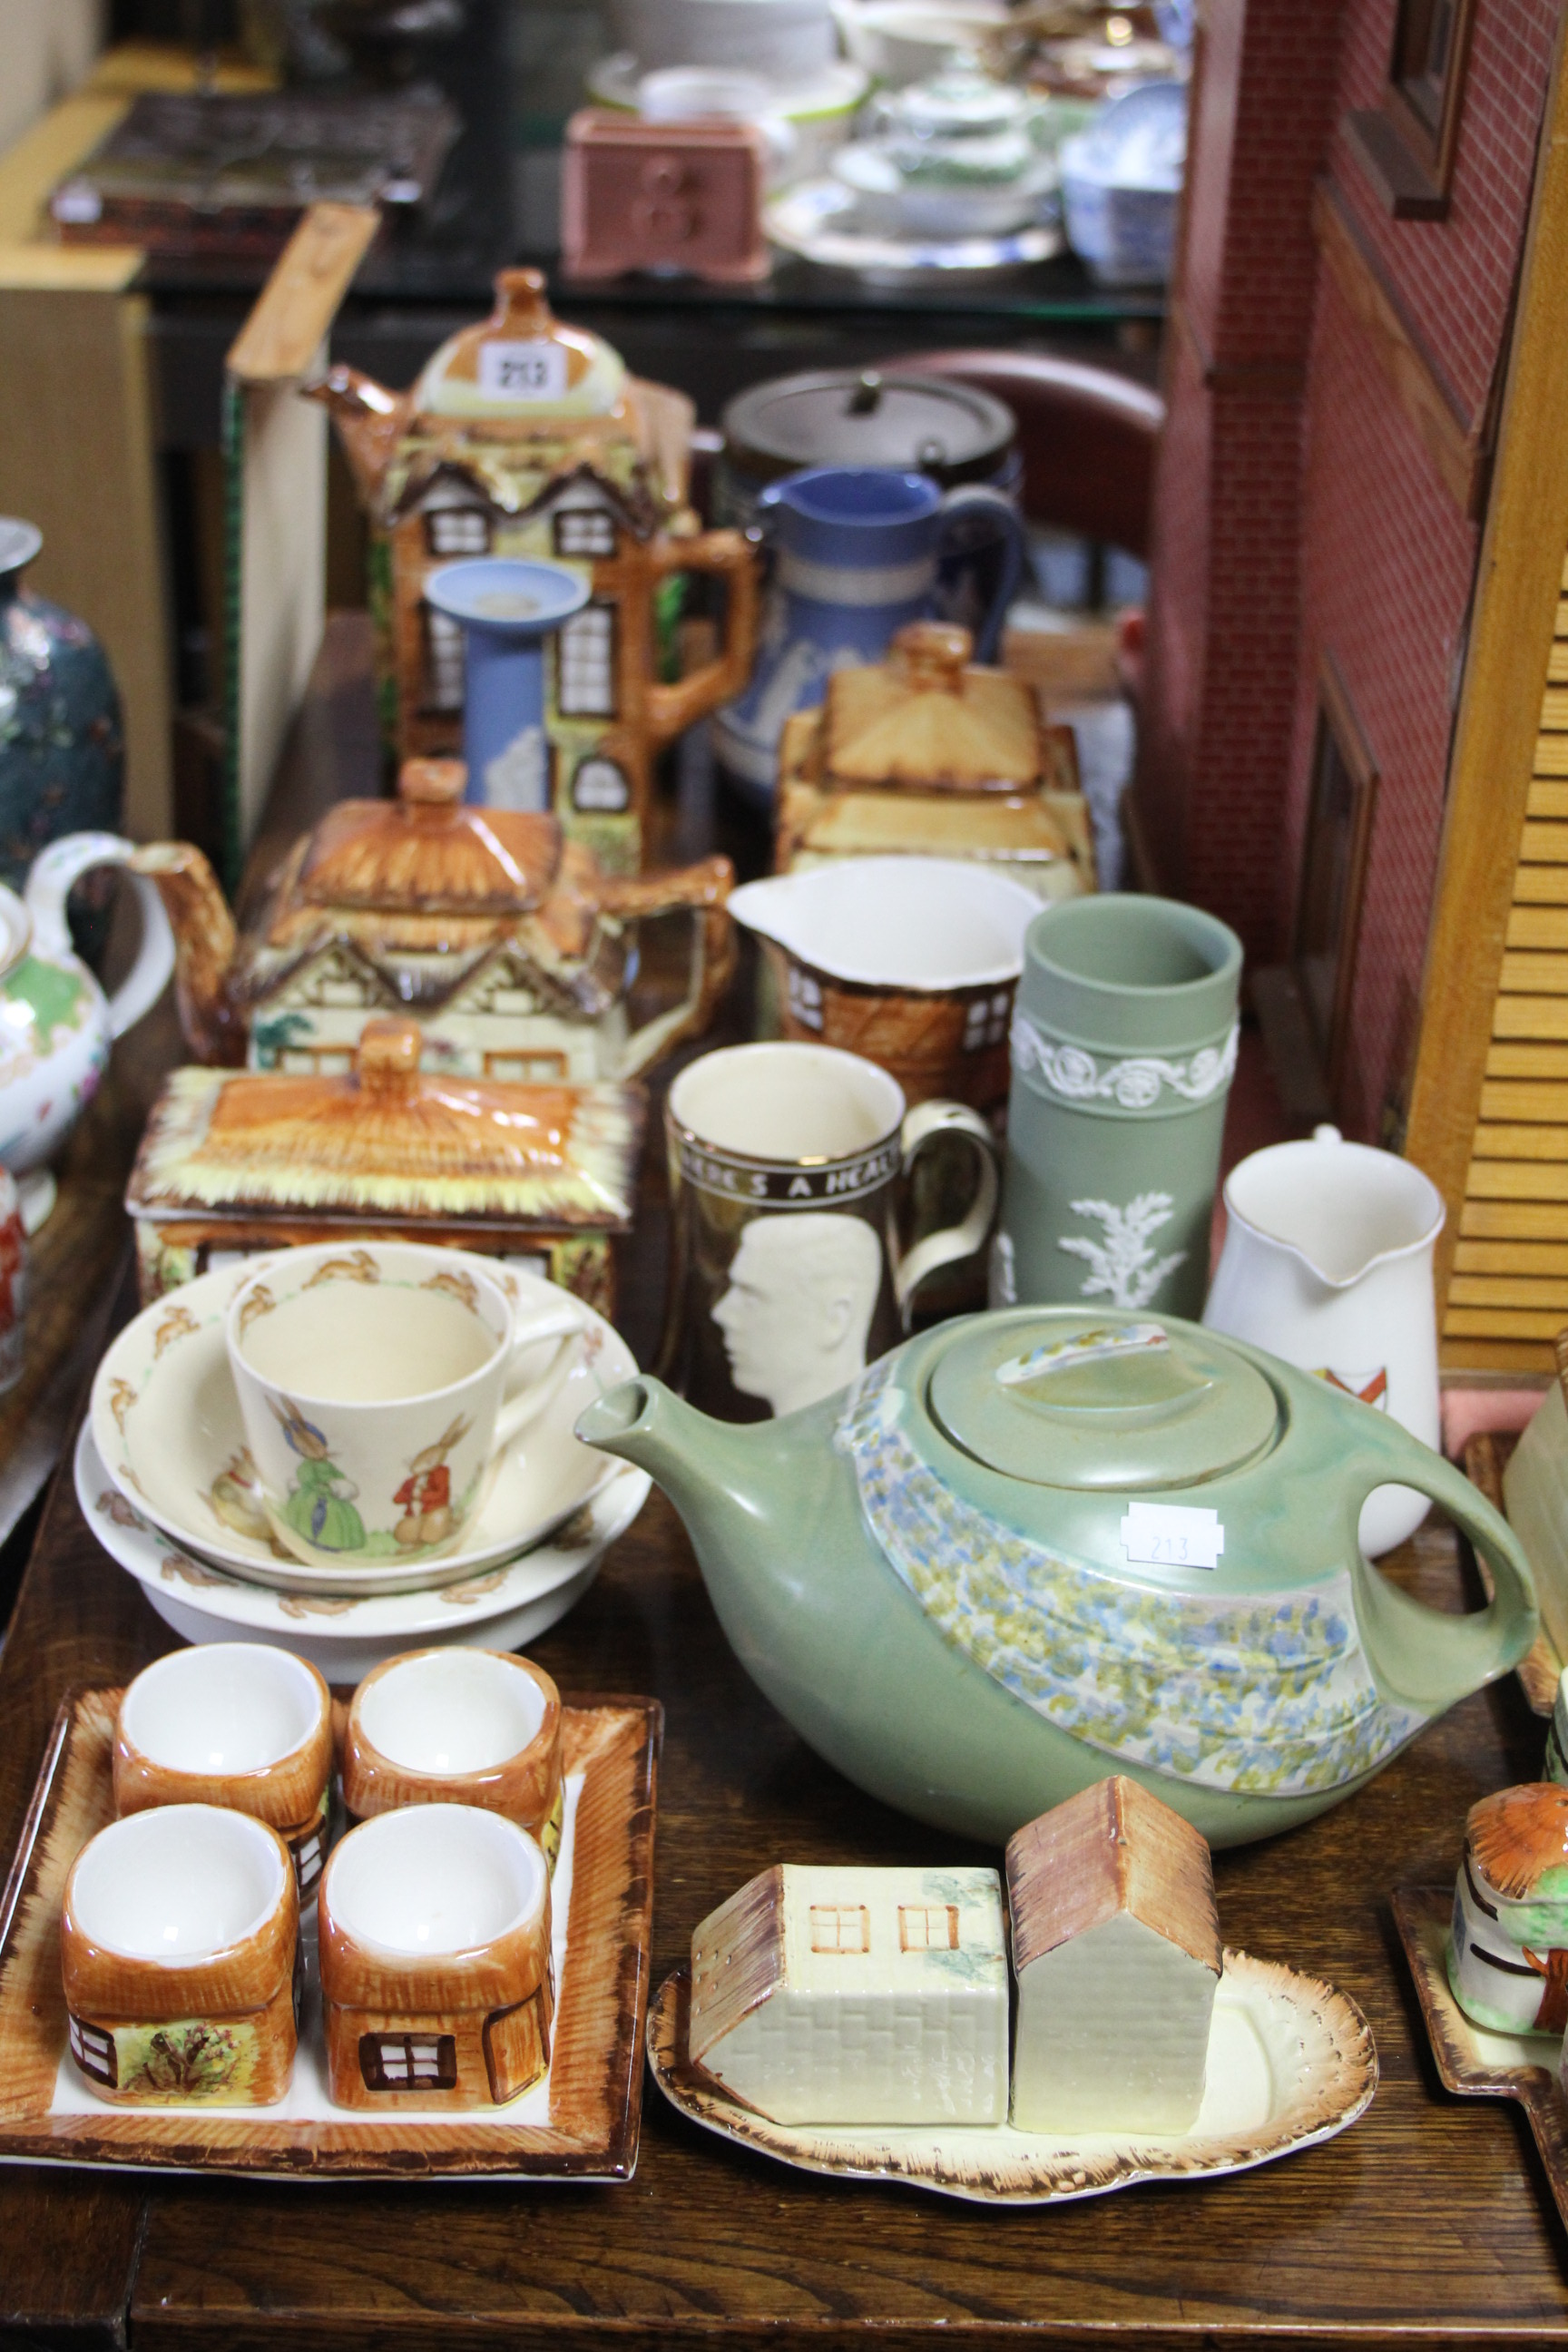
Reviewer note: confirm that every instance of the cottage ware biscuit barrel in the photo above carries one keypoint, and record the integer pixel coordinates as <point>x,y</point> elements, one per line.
<point>1123,1049</point>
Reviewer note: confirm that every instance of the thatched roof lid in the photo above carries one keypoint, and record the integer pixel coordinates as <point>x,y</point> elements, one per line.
<point>390,1137</point>
<point>925,718</point>
<point>1519,1837</point>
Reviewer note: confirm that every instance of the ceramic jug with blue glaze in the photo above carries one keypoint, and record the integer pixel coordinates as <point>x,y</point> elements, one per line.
<point>857,551</point>
<point>1026,1549</point>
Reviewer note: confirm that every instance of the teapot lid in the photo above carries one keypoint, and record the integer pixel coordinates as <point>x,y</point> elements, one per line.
<point>1085,1401</point>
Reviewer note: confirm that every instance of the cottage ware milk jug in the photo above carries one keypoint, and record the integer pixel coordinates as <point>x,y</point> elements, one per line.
<point>1328,1262</point>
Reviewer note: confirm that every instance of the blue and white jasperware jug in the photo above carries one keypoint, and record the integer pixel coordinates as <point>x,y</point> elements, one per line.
<point>856,552</point>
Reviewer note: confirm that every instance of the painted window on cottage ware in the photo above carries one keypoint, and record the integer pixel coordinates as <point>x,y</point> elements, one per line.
<point>582,530</point>
<point>585,664</point>
<point>600,786</point>
<point>457,531</point>
<point>94,2052</point>
<point>443,661</point>
<point>928,1927</point>
<point>840,1927</point>
<point>408,2062</point>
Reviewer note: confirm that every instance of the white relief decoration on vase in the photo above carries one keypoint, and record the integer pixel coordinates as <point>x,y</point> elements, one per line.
<point>1123,1266</point>
<point>1135,1084</point>
<point>516,778</point>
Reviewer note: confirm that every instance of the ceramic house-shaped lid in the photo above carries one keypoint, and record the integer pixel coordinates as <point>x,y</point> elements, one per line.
<point>1113,1849</point>
<point>389,1138</point>
<point>928,719</point>
<point>522,365</point>
<point>396,868</point>
<point>1516,1843</point>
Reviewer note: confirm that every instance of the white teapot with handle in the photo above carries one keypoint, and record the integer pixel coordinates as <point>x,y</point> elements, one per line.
<point>56,1023</point>
<point>1328,1262</point>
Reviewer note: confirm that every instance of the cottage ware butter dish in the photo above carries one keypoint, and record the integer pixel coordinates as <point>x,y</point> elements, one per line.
<point>234,1723</point>
<point>233,1162</point>
<point>856,1995</point>
<point>1508,1954</point>
<point>177,1946</point>
<point>1030,1547</point>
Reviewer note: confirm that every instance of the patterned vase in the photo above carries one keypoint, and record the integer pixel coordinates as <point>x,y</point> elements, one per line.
<point>1124,1042</point>
<point>62,758</point>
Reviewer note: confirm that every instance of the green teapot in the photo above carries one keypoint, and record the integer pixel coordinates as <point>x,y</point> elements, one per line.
<point>1028,1548</point>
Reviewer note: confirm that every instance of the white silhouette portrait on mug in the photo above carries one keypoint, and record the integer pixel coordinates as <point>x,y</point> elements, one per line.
<point>797,1313</point>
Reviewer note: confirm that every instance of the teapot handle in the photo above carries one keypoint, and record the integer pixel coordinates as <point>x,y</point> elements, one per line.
<point>1424,1654</point>
<point>54,871</point>
<point>704,890</point>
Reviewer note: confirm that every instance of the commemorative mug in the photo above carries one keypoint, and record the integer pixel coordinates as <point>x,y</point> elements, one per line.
<point>1123,1046</point>
<point>378,1385</point>
<point>788,1272</point>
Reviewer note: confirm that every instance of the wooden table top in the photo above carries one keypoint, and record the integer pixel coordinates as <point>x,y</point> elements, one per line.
<point>1428,2219</point>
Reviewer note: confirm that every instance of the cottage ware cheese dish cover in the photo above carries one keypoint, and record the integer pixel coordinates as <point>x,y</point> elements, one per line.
<point>1027,1542</point>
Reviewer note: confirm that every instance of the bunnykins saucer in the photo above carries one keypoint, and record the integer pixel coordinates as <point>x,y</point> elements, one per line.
<point>345,1634</point>
<point>166,1423</point>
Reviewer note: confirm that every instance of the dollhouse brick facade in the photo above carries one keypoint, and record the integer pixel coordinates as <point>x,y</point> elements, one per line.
<point>1357,224</point>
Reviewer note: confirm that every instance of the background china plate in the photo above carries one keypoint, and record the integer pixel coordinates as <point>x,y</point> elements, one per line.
<point>1291,2062</point>
<point>166,1423</point>
<point>502,1608</point>
<point>820,219</point>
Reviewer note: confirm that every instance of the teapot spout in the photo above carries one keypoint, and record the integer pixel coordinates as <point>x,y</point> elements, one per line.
<point>711,1470</point>
<point>371,422</point>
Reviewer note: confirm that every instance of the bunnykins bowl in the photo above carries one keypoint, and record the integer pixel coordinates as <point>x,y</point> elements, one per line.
<point>1024,1542</point>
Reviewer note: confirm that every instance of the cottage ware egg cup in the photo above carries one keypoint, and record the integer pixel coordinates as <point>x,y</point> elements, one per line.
<point>238,1724</point>
<point>435,1962</point>
<point>373,1386</point>
<point>457,1727</point>
<point>178,1942</point>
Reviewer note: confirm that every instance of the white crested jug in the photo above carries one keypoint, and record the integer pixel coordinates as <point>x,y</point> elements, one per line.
<point>1328,1263</point>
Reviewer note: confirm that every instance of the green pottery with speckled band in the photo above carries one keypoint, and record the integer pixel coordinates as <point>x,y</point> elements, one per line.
<point>1032,1547</point>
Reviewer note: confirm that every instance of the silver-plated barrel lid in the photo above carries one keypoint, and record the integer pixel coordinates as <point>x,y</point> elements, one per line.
<point>845,416</point>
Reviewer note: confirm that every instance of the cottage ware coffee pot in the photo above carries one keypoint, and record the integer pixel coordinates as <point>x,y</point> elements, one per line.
<point>1028,1548</point>
<point>1328,1261</point>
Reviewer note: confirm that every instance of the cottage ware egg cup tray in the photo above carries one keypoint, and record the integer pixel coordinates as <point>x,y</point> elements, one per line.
<point>1290,2061</point>
<point>580,2122</point>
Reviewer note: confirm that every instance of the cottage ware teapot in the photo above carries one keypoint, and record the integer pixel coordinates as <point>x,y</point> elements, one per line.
<point>56,1023</point>
<point>1027,1549</point>
<point>501,937</point>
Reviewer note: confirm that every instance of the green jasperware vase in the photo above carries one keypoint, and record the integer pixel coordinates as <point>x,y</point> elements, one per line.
<point>1124,1042</point>
<point>1028,1550</point>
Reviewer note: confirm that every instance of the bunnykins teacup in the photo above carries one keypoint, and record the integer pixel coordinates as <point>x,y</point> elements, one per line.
<point>377,1383</point>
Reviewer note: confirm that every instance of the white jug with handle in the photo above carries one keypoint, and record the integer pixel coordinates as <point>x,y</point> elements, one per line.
<point>1328,1262</point>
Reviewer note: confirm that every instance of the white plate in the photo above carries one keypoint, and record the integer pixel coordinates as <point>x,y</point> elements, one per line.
<point>835,88</point>
<point>819,220</point>
<point>501,1608</point>
<point>166,1423</point>
<point>1290,2061</point>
